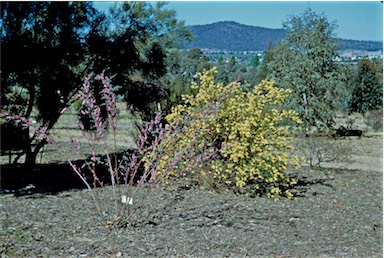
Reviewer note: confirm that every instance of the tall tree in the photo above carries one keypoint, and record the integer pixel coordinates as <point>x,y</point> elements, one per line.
<point>61,42</point>
<point>263,70</point>
<point>304,62</point>
<point>255,61</point>
<point>131,44</point>
<point>42,49</point>
<point>367,93</point>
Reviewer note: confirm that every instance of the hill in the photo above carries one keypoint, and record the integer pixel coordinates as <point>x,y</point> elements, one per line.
<point>233,36</point>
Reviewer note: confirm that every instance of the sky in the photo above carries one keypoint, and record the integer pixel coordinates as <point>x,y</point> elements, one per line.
<point>358,20</point>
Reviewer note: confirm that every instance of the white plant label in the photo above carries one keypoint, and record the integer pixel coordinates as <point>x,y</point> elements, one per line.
<point>126,199</point>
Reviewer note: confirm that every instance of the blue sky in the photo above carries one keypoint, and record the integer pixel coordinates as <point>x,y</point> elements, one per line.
<point>359,20</point>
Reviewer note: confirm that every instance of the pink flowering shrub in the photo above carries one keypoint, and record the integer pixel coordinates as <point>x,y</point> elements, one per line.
<point>127,174</point>
<point>132,171</point>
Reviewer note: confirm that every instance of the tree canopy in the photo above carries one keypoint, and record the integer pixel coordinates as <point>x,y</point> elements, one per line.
<point>367,92</point>
<point>304,62</point>
<point>49,47</point>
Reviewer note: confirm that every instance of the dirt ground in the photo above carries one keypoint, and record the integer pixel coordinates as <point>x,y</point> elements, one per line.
<point>338,213</point>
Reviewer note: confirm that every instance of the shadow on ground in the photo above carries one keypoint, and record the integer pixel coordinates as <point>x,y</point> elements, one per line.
<point>54,178</point>
<point>42,178</point>
<point>51,178</point>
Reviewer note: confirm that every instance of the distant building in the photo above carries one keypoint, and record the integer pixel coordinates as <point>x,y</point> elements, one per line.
<point>356,55</point>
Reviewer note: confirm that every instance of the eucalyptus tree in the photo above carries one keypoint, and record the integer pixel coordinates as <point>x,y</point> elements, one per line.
<point>304,62</point>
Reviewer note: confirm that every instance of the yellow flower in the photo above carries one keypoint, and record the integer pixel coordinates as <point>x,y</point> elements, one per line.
<point>245,127</point>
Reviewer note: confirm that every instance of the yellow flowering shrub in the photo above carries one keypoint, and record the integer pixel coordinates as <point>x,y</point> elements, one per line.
<point>234,137</point>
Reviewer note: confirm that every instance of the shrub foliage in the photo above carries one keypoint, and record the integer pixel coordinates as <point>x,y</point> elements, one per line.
<point>233,137</point>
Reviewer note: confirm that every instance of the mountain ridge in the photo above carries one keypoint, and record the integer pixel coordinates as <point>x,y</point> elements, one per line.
<point>233,36</point>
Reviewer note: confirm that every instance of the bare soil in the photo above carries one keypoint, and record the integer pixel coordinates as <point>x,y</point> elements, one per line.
<point>338,212</point>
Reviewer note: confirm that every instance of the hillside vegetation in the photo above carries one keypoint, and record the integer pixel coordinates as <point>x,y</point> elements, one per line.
<point>233,36</point>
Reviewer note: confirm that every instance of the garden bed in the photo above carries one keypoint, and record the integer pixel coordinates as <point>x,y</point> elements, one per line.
<point>338,212</point>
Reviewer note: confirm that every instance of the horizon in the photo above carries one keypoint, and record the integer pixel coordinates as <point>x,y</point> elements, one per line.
<point>361,20</point>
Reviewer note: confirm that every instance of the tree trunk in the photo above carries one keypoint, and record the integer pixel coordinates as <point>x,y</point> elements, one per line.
<point>30,159</point>
<point>31,101</point>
